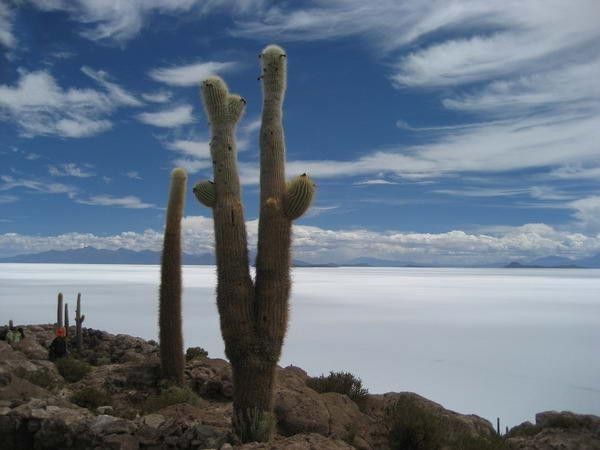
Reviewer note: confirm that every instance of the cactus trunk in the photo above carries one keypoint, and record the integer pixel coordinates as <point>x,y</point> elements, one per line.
<point>171,336</point>
<point>66,319</point>
<point>59,311</point>
<point>78,321</point>
<point>253,315</point>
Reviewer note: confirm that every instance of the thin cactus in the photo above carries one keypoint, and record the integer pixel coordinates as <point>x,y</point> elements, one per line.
<point>59,311</point>
<point>171,337</point>
<point>79,318</point>
<point>253,315</point>
<point>66,319</point>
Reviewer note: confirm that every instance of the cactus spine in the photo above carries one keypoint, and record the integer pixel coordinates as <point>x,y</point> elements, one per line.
<point>253,315</point>
<point>59,311</point>
<point>66,319</point>
<point>79,318</point>
<point>171,336</point>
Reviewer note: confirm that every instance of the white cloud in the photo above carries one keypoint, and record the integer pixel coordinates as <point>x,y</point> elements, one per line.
<point>8,198</point>
<point>190,74</point>
<point>134,175</point>
<point>194,149</point>
<point>340,245</point>
<point>9,183</point>
<point>157,97</point>
<point>128,201</point>
<point>169,118</point>
<point>7,38</point>
<point>69,170</point>
<point>375,181</point>
<point>122,20</point>
<point>521,54</point>
<point>587,211</point>
<point>39,106</point>
<point>119,95</point>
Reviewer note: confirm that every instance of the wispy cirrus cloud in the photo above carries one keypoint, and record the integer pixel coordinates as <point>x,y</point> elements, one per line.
<point>120,21</point>
<point>158,96</point>
<point>69,170</point>
<point>7,37</point>
<point>168,118</point>
<point>128,201</point>
<point>10,182</point>
<point>190,74</point>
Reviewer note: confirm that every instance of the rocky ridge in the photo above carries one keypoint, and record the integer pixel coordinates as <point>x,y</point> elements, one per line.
<point>120,403</point>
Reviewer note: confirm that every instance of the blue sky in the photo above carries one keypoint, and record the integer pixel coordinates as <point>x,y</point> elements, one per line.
<point>459,132</point>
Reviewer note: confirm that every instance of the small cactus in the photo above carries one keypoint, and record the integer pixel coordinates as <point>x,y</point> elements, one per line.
<point>298,197</point>
<point>66,319</point>
<point>59,311</point>
<point>205,193</point>
<point>79,318</point>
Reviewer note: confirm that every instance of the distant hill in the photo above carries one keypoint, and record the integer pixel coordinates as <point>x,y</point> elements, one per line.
<point>92,255</point>
<point>518,265</point>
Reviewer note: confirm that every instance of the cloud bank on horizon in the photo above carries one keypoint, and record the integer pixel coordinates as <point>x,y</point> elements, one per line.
<point>462,131</point>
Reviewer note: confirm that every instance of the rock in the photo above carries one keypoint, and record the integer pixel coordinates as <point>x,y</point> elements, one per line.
<point>557,430</point>
<point>300,442</point>
<point>104,425</point>
<point>298,408</point>
<point>153,420</point>
<point>210,378</point>
<point>30,348</point>
<point>104,409</point>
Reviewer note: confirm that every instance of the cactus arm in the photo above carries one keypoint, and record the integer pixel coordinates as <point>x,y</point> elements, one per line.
<point>205,193</point>
<point>235,290</point>
<point>274,230</point>
<point>298,197</point>
<point>170,333</point>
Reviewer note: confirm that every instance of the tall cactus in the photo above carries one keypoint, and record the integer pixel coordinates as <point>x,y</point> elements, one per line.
<point>79,318</point>
<point>171,337</point>
<point>66,319</point>
<point>253,315</point>
<point>59,311</point>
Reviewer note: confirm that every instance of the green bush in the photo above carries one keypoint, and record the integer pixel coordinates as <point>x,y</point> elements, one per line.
<point>91,398</point>
<point>72,369</point>
<point>41,377</point>
<point>412,427</point>
<point>342,383</point>
<point>171,396</point>
<point>195,352</point>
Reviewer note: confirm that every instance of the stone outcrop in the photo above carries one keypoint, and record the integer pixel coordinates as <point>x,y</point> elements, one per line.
<point>38,406</point>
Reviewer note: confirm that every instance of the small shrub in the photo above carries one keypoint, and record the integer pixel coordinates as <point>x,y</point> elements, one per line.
<point>91,398</point>
<point>72,369</point>
<point>40,377</point>
<point>412,427</point>
<point>261,425</point>
<point>171,396</point>
<point>103,361</point>
<point>342,383</point>
<point>195,352</point>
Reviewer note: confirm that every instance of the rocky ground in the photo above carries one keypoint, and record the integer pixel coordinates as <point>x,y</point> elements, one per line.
<point>110,396</point>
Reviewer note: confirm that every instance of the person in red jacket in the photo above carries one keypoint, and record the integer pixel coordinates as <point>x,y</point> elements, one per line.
<point>58,347</point>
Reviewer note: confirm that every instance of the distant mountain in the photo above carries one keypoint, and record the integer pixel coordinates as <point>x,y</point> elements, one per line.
<point>518,265</point>
<point>92,255</point>
<point>552,261</point>
<point>366,261</point>
<point>591,262</point>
